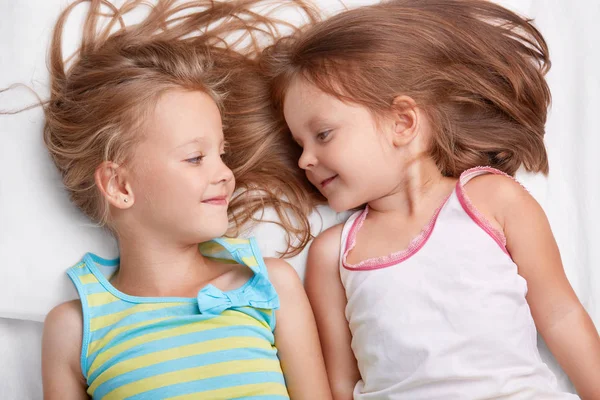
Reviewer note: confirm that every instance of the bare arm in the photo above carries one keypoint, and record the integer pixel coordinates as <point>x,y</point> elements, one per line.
<point>61,349</point>
<point>296,336</point>
<point>328,299</point>
<point>559,316</point>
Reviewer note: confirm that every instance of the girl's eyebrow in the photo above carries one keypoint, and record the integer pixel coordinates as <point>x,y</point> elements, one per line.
<point>201,139</point>
<point>198,139</point>
<point>315,122</point>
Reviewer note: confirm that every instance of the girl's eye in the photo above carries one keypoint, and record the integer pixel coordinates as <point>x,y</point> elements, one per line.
<point>322,136</point>
<point>195,160</point>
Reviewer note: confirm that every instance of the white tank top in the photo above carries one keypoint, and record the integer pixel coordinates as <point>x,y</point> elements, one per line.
<point>446,318</point>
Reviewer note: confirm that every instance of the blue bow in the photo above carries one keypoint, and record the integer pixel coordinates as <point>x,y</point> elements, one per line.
<point>259,294</point>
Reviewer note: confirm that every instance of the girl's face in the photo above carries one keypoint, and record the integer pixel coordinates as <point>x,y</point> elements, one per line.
<point>346,154</point>
<point>182,187</point>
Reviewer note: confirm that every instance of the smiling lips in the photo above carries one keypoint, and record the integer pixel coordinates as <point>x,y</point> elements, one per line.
<point>328,181</point>
<point>217,201</point>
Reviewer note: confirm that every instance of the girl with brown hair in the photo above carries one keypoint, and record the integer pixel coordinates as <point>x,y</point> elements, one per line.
<point>419,113</point>
<point>134,126</point>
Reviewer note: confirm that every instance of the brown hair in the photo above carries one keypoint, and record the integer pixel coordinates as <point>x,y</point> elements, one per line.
<point>98,102</point>
<point>475,68</point>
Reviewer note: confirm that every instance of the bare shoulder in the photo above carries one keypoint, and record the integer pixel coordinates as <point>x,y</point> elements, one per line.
<point>496,196</point>
<point>289,288</point>
<point>282,274</point>
<point>326,246</point>
<point>61,353</point>
<point>322,266</point>
<point>65,317</point>
<point>504,187</point>
<point>63,333</point>
<point>63,330</point>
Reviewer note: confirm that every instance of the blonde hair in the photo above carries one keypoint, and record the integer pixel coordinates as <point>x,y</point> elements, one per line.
<point>475,68</point>
<point>99,101</point>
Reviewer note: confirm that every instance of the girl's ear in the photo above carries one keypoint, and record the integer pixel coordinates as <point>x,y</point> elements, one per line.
<point>405,117</point>
<point>113,182</point>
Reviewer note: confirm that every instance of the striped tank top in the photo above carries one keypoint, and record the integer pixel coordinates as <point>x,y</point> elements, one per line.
<point>219,345</point>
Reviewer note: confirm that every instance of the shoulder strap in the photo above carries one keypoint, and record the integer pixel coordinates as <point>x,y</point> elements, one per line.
<point>92,294</point>
<point>472,211</point>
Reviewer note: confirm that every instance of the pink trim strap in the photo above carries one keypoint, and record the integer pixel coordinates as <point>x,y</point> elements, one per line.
<point>470,209</point>
<point>392,259</point>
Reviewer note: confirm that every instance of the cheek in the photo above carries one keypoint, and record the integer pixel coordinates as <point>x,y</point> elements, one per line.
<point>159,184</point>
<point>150,180</point>
<point>370,169</point>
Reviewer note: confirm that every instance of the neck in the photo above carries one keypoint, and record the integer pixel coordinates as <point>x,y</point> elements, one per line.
<point>155,267</point>
<point>423,186</point>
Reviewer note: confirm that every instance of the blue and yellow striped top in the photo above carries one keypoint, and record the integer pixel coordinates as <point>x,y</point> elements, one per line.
<point>219,345</point>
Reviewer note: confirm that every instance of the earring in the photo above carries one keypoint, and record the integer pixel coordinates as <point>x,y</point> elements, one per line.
<point>125,200</point>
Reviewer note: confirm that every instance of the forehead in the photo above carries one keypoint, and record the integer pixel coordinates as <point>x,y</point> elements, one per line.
<point>179,115</point>
<point>306,107</point>
<point>302,92</point>
<point>305,102</point>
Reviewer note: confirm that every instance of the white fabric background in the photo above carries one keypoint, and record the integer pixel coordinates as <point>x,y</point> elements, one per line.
<point>41,234</point>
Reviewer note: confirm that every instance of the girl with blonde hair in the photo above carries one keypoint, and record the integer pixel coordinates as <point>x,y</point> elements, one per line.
<point>134,125</point>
